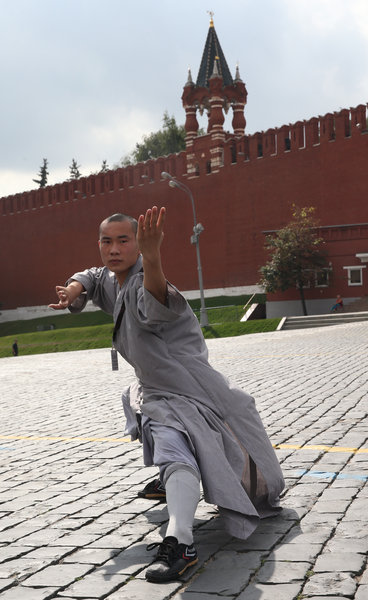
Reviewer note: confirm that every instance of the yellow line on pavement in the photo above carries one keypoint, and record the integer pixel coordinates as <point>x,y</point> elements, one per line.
<point>63,439</point>
<point>319,447</point>
<point>57,438</point>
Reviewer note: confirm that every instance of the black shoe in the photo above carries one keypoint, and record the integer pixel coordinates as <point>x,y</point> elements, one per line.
<point>154,490</point>
<point>171,561</point>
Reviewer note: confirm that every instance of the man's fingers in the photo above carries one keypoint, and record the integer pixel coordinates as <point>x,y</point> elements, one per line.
<point>140,223</point>
<point>57,306</point>
<point>63,297</point>
<point>147,219</point>
<point>161,218</point>
<point>154,216</point>
<point>153,219</point>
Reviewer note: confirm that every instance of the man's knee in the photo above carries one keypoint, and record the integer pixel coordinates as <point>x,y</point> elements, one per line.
<point>170,468</point>
<point>172,450</point>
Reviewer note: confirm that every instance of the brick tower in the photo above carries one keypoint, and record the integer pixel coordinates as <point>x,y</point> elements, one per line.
<point>214,91</point>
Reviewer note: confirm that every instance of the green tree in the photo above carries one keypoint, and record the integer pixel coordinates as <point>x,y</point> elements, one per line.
<point>74,170</point>
<point>168,140</point>
<point>104,167</point>
<point>42,181</point>
<point>296,255</point>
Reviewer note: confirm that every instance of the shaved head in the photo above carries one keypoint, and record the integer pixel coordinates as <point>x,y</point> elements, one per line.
<point>120,217</point>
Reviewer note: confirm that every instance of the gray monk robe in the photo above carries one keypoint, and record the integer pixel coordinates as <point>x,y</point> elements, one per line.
<point>164,343</point>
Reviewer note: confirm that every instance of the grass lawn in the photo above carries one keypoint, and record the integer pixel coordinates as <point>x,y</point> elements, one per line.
<point>59,340</point>
<point>94,330</point>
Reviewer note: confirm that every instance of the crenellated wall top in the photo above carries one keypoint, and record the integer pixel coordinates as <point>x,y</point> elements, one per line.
<point>124,178</point>
<point>331,127</point>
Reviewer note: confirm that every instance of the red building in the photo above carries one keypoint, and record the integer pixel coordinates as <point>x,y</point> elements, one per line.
<point>243,186</point>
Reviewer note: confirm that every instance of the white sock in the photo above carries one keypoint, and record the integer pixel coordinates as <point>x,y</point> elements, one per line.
<point>182,496</point>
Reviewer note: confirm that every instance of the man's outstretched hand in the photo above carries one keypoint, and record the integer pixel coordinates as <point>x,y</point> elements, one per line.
<point>67,295</point>
<point>64,300</point>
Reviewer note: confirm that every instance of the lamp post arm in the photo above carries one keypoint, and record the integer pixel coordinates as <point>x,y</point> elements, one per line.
<point>184,188</point>
<point>195,240</point>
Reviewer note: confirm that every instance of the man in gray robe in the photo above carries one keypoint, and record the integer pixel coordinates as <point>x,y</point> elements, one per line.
<point>195,425</point>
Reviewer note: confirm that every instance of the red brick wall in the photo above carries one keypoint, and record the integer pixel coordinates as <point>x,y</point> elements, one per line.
<point>48,234</point>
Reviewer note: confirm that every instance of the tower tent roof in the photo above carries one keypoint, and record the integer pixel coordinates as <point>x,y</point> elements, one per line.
<point>213,53</point>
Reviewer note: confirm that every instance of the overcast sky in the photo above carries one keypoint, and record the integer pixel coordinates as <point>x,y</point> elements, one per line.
<point>86,79</point>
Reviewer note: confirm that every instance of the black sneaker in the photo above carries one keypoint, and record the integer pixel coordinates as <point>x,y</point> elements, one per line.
<point>154,490</point>
<point>171,561</point>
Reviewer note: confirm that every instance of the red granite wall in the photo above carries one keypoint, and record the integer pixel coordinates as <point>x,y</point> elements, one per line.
<point>47,234</point>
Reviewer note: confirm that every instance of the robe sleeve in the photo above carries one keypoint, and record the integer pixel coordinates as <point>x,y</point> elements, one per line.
<point>94,283</point>
<point>151,312</point>
<point>132,400</point>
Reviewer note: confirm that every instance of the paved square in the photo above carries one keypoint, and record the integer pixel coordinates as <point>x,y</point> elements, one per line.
<point>72,527</point>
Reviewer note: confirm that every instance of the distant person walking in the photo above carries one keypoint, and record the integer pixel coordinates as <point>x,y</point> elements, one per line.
<point>339,304</point>
<point>15,350</point>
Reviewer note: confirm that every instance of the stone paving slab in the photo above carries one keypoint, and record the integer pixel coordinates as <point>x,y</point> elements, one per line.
<point>23,593</point>
<point>321,584</point>
<point>57,575</point>
<point>239,567</point>
<point>140,589</point>
<point>72,527</point>
<point>349,562</point>
<point>282,572</point>
<point>282,591</point>
<point>95,585</point>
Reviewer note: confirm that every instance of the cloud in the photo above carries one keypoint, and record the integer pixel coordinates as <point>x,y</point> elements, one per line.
<point>325,17</point>
<point>13,181</point>
<point>87,79</point>
<point>105,137</point>
<point>115,131</point>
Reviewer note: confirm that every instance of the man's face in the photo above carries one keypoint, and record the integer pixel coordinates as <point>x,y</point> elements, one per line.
<point>118,247</point>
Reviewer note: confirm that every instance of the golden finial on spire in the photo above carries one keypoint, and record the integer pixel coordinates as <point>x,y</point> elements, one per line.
<point>211,13</point>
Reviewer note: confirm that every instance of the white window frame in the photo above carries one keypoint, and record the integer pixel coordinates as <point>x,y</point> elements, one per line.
<point>355,268</point>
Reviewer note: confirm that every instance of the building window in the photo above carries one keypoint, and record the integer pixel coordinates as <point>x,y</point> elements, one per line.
<point>232,154</point>
<point>355,275</point>
<point>321,278</point>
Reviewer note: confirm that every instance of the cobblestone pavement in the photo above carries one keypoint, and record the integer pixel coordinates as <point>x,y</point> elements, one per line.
<point>72,527</point>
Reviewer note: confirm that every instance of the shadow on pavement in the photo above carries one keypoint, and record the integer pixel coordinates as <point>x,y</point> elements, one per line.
<point>226,565</point>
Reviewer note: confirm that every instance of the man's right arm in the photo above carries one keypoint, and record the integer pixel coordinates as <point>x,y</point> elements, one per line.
<point>67,294</point>
<point>96,284</point>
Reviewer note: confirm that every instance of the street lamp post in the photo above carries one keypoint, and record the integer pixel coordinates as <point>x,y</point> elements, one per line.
<point>194,239</point>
